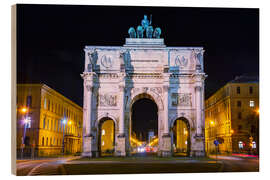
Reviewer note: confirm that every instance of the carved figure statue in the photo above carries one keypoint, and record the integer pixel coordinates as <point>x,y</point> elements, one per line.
<point>145,22</point>
<point>92,60</point>
<point>140,31</point>
<point>132,32</point>
<point>125,58</point>
<point>149,31</point>
<point>157,33</point>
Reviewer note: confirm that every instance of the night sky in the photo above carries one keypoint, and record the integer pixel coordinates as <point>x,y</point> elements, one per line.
<point>51,39</point>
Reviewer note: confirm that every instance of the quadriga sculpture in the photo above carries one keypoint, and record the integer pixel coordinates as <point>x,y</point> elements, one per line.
<point>140,32</point>
<point>132,32</point>
<point>149,31</point>
<point>157,33</point>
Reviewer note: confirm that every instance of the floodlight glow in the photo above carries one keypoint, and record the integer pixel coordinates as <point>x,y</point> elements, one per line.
<point>64,121</point>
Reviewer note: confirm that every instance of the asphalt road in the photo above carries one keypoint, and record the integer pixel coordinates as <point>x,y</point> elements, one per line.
<point>74,166</point>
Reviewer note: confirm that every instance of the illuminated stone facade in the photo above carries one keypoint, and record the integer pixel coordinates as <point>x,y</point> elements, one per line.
<point>231,115</point>
<point>117,76</point>
<point>46,111</point>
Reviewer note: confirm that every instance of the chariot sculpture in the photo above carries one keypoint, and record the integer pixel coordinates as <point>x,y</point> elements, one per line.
<point>145,27</point>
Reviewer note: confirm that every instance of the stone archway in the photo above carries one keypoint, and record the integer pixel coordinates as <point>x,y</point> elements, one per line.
<point>181,137</point>
<point>143,107</point>
<point>106,136</point>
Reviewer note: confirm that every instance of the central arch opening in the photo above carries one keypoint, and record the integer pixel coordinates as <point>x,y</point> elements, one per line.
<point>144,126</point>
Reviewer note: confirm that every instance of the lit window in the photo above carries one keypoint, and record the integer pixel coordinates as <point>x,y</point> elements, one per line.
<point>27,122</point>
<point>241,145</point>
<point>103,143</point>
<point>45,103</point>
<point>251,103</point>
<point>253,145</point>
<point>103,131</point>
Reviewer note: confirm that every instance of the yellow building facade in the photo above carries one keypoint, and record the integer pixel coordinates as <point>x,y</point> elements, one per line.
<point>48,123</point>
<point>231,117</point>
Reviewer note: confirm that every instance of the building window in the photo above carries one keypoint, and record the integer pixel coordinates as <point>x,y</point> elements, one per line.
<point>252,129</point>
<point>44,122</point>
<point>251,103</point>
<point>49,105</point>
<point>42,141</point>
<point>238,90</point>
<point>250,90</point>
<point>253,145</point>
<point>29,101</point>
<point>45,103</point>
<point>27,140</point>
<point>27,122</point>
<point>241,145</point>
<point>47,141</point>
<point>239,115</point>
<point>239,127</point>
<point>239,103</point>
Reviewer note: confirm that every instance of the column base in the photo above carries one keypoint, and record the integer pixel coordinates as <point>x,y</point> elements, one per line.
<point>121,145</point>
<point>197,153</point>
<point>198,146</point>
<point>165,154</point>
<point>87,147</point>
<point>166,149</point>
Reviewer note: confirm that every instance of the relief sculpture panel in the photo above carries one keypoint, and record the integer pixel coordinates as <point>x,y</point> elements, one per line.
<point>107,100</point>
<point>181,99</point>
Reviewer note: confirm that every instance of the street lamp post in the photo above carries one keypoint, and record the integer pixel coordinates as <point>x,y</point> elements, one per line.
<point>64,122</point>
<point>26,121</point>
<point>212,123</point>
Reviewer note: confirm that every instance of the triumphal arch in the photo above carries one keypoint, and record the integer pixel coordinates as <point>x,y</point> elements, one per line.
<point>115,77</point>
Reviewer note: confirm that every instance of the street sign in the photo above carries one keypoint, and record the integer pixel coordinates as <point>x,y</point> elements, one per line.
<point>216,142</point>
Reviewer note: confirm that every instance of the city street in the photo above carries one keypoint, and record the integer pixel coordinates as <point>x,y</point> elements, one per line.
<point>117,165</point>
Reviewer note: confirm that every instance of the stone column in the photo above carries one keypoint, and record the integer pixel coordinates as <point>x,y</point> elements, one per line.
<point>166,106</point>
<point>198,98</point>
<point>121,139</point>
<point>122,110</point>
<point>87,115</point>
<point>166,138</point>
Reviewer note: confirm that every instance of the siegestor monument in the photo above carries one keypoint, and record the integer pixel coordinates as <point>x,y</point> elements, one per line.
<point>115,77</point>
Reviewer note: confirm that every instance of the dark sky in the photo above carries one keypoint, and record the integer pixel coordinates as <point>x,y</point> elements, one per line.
<point>51,39</point>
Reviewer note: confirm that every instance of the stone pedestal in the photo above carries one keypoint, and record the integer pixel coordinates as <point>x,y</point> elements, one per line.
<point>87,147</point>
<point>198,147</point>
<point>121,146</point>
<point>166,149</point>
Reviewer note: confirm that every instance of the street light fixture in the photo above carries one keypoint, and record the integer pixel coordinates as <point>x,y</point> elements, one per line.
<point>258,111</point>
<point>24,110</point>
